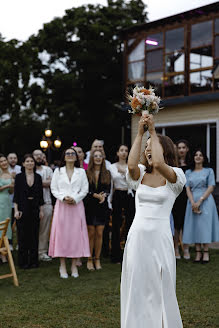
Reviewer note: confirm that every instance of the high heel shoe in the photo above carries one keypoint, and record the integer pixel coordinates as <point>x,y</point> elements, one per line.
<point>90,265</point>
<point>63,274</point>
<point>205,261</point>
<point>97,264</point>
<point>74,272</point>
<point>200,259</point>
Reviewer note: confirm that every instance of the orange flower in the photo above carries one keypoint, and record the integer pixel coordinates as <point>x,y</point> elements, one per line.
<point>145,91</point>
<point>135,103</point>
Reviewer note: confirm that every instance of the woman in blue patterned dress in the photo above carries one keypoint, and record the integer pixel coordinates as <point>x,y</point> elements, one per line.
<point>201,219</point>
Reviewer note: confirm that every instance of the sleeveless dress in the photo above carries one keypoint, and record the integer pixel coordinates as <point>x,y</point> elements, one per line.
<point>148,298</point>
<point>5,205</point>
<point>204,227</point>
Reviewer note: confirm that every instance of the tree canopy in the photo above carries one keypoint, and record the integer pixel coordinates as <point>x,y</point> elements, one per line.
<point>69,75</point>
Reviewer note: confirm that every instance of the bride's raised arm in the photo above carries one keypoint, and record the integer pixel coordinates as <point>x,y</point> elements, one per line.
<point>135,152</point>
<point>157,152</point>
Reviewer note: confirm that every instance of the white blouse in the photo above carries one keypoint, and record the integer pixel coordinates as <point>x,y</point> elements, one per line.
<point>77,188</point>
<point>119,179</point>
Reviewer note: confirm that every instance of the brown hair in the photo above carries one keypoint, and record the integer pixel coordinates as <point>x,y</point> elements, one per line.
<point>105,177</point>
<point>169,153</point>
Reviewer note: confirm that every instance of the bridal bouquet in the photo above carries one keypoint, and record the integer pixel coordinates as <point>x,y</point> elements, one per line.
<point>144,101</point>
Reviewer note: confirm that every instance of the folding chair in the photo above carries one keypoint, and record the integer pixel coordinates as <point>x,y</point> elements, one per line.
<point>5,250</point>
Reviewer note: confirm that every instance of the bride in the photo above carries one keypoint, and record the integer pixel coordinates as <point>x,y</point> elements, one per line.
<point>148,298</point>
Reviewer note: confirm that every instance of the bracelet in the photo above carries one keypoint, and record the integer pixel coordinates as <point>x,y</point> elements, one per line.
<point>202,199</point>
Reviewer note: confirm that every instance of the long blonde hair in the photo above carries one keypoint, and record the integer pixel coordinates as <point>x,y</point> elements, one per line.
<point>104,173</point>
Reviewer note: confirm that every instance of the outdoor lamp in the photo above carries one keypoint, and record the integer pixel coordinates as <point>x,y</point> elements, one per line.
<point>57,143</point>
<point>44,144</point>
<point>48,133</point>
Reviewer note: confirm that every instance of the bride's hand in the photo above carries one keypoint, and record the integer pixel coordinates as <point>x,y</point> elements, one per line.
<point>149,121</point>
<point>141,125</point>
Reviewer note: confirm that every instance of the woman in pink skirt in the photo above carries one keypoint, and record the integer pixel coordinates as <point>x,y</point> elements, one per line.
<point>69,236</point>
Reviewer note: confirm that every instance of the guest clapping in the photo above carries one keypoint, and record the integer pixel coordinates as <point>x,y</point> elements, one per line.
<point>69,237</point>
<point>201,220</point>
<point>28,210</point>
<point>96,204</point>
<point>123,198</point>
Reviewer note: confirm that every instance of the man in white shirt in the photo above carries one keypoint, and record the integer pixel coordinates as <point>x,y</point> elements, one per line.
<point>97,145</point>
<point>46,174</point>
<point>14,169</point>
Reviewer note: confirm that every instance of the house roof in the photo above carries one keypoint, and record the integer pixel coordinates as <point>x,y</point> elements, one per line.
<point>187,15</point>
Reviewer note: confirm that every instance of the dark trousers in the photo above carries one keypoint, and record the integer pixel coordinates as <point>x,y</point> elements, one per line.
<point>28,239</point>
<point>121,200</point>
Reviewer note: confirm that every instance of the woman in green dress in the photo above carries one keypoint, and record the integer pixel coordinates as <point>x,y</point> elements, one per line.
<point>6,187</point>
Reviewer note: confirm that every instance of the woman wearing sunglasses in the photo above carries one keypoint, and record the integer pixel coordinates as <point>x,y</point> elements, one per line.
<point>69,237</point>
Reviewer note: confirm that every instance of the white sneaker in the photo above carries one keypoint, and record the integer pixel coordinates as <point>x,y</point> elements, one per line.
<point>44,257</point>
<point>74,272</point>
<point>63,274</point>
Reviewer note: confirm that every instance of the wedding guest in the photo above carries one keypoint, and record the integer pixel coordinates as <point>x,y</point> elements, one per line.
<point>28,210</point>
<point>179,207</point>
<point>69,237</point>
<point>14,169</point>
<point>45,162</point>
<point>97,145</point>
<point>201,220</point>
<point>96,205</point>
<point>81,155</point>
<point>46,174</point>
<point>6,187</point>
<point>122,199</point>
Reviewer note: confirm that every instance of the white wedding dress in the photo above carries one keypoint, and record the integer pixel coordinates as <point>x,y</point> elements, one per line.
<point>148,297</point>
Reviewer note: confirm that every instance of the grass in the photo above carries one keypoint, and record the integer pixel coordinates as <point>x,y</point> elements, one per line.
<point>43,300</point>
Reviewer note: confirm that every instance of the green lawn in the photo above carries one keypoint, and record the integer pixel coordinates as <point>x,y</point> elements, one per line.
<point>43,300</point>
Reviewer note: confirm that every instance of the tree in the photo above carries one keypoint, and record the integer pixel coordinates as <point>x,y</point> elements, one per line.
<point>73,71</point>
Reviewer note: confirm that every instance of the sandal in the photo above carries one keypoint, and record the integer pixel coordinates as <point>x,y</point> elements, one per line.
<point>205,261</point>
<point>97,264</point>
<point>90,265</point>
<point>200,259</point>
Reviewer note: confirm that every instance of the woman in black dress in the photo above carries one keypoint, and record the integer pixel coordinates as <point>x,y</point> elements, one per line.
<point>28,210</point>
<point>179,206</point>
<point>96,206</point>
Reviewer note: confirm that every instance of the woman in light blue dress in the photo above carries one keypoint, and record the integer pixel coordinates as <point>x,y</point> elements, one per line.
<point>201,219</point>
<point>5,187</point>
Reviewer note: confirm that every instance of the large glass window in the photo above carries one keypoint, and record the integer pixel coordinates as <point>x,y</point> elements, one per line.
<point>174,85</point>
<point>201,81</point>
<point>174,40</point>
<point>154,41</point>
<point>216,28</point>
<point>138,52</point>
<point>201,57</point>
<point>154,60</point>
<point>175,62</point>
<point>136,71</point>
<point>217,46</point>
<point>201,34</point>
<point>155,80</point>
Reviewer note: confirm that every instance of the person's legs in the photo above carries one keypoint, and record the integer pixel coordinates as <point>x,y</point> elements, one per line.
<point>198,253</point>
<point>22,243</point>
<point>74,269</point>
<point>44,232</point>
<point>205,253</point>
<point>34,241</point>
<point>62,268</point>
<point>98,245</point>
<point>176,243</point>
<point>91,235</point>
